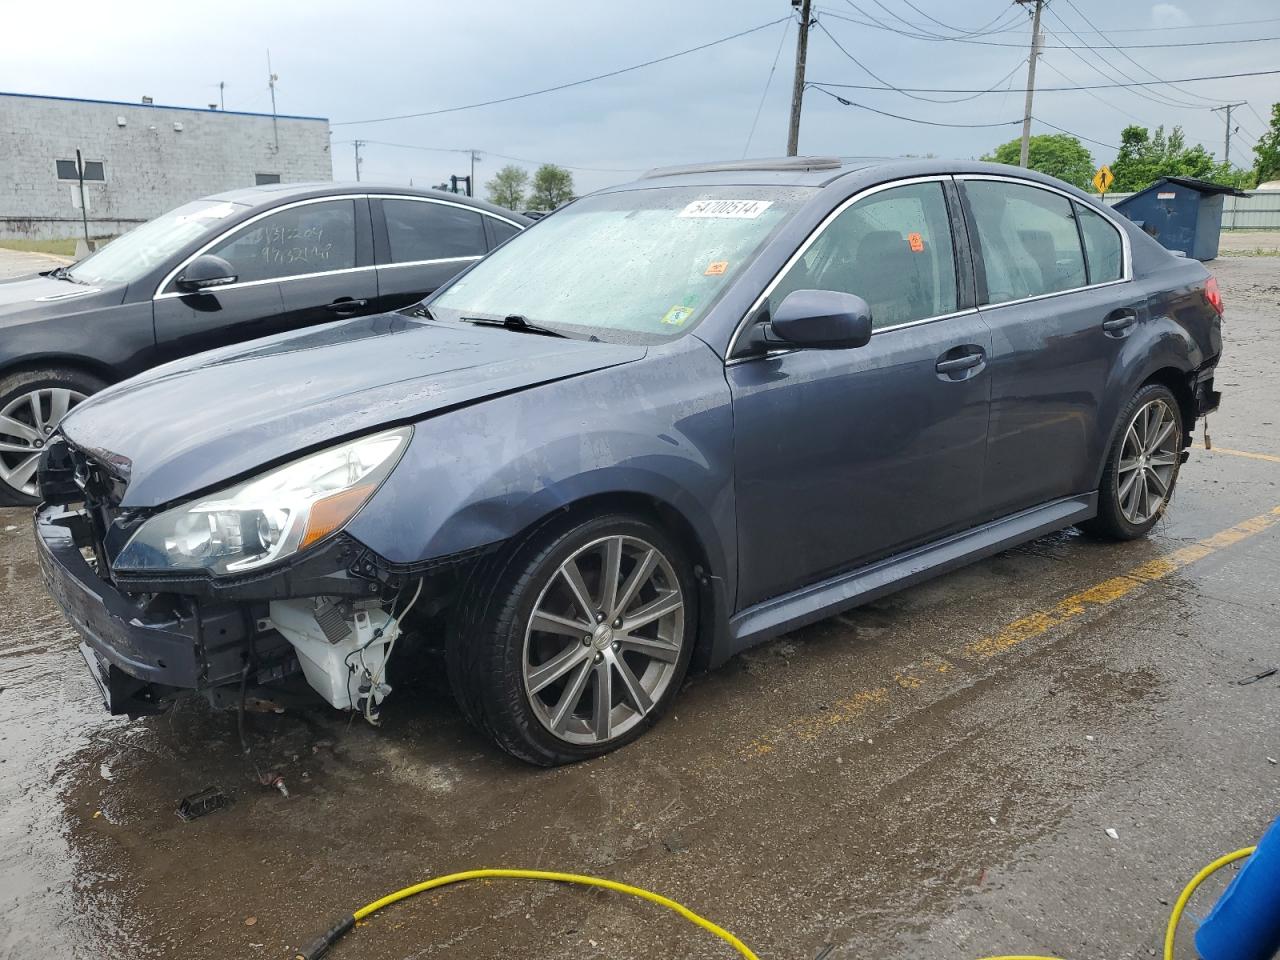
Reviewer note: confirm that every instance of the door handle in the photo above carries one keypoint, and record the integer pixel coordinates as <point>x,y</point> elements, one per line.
<point>956,364</point>
<point>347,305</point>
<point>1118,320</point>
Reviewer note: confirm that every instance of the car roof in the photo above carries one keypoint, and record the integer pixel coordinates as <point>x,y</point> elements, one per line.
<point>824,171</point>
<point>274,193</point>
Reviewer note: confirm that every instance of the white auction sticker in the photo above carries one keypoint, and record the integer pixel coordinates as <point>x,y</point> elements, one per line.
<point>1165,196</point>
<point>726,209</point>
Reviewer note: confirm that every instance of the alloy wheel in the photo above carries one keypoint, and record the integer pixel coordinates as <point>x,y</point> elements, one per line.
<point>25,425</point>
<point>1148,462</point>
<point>604,639</point>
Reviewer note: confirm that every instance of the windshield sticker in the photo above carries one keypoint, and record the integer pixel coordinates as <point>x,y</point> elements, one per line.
<point>726,209</point>
<point>677,315</point>
<point>716,268</point>
<point>216,212</point>
<point>916,242</point>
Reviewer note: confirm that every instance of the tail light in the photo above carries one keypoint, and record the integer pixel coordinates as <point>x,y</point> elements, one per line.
<point>1213,295</point>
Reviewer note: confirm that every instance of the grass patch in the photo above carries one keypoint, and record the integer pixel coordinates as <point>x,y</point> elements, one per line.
<point>1255,252</point>
<point>61,248</point>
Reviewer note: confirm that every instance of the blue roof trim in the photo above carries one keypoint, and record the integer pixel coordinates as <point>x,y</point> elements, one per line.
<point>159,106</point>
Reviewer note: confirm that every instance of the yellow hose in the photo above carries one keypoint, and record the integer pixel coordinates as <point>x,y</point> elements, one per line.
<point>321,945</point>
<point>577,878</point>
<point>1190,888</point>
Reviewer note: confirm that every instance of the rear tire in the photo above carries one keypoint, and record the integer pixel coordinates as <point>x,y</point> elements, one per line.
<point>529,654</point>
<point>31,404</point>
<point>1142,466</point>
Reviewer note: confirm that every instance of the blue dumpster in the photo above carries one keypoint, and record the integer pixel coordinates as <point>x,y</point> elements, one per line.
<point>1182,213</point>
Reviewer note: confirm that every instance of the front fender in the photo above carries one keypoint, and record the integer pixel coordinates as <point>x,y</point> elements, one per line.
<point>474,477</point>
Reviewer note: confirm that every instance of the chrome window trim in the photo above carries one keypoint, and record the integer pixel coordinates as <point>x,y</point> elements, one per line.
<point>443,203</point>
<point>422,263</point>
<point>159,295</point>
<point>808,242</point>
<point>1105,213</point>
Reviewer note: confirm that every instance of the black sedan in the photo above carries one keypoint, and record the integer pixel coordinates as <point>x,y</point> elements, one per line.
<point>217,271</point>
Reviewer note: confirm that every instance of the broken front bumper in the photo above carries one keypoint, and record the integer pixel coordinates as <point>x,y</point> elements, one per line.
<point>140,654</point>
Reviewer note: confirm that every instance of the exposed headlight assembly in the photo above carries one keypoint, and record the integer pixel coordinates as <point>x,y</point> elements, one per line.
<point>270,517</point>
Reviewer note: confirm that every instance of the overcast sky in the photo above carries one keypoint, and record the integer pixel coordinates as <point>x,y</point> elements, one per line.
<point>379,58</point>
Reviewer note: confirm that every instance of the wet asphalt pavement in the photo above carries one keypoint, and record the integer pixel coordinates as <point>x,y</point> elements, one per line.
<point>931,776</point>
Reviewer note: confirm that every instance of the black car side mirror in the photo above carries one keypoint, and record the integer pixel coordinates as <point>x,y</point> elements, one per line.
<point>204,272</point>
<point>821,319</point>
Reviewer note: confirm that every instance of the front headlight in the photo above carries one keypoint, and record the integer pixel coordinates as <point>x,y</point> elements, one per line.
<point>269,517</point>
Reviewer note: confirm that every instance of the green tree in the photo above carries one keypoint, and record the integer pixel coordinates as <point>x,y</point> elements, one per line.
<point>1145,157</point>
<point>506,189</point>
<point>1057,154</point>
<point>552,186</point>
<point>1267,149</point>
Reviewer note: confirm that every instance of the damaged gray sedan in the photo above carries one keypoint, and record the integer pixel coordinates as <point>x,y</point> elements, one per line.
<point>676,418</point>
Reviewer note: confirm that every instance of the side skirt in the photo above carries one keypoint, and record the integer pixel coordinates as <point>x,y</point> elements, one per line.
<point>829,597</point>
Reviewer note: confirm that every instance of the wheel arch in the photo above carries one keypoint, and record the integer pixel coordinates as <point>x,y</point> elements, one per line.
<point>50,361</point>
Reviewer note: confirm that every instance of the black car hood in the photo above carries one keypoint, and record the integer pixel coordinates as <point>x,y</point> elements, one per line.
<point>204,421</point>
<point>29,298</point>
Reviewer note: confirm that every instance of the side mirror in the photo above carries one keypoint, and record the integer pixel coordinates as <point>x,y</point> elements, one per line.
<point>204,272</point>
<point>821,319</point>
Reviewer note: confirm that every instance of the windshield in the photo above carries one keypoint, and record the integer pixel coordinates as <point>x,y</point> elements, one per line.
<point>130,256</point>
<point>634,266</point>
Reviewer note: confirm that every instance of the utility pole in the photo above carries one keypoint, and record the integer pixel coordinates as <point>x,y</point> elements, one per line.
<point>271,82</point>
<point>222,100</point>
<point>1031,79</point>
<point>1226,146</point>
<point>358,144</point>
<point>797,88</point>
<point>471,182</point>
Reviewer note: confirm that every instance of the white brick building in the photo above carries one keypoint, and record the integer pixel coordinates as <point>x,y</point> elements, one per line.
<point>141,160</point>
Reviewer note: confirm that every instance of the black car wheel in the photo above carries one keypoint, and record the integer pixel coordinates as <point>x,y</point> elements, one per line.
<point>578,641</point>
<point>1142,466</point>
<point>31,404</point>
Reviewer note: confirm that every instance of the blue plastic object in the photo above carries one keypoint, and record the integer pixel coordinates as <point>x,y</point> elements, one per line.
<point>1245,923</point>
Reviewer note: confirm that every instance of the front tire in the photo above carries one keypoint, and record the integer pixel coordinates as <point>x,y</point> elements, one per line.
<point>578,641</point>
<point>1142,466</point>
<point>31,404</point>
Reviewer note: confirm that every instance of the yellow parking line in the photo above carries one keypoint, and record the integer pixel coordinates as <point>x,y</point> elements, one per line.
<point>812,726</point>
<point>1270,458</point>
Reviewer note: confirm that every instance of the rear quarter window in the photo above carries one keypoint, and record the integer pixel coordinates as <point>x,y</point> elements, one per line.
<point>1103,247</point>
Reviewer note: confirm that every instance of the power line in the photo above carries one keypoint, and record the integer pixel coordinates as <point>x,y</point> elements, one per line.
<point>1190,26</point>
<point>898,116</point>
<point>1039,89</point>
<point>889,86</point>
<point>1112,43</point>
<point>959,30</point>
<point>765,92</point>
<point>995,43</point>
<point>563,86</point>
<point>1153,96</point>
<point>1078,136</point>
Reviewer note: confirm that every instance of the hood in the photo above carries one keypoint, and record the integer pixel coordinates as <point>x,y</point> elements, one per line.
<point>206,420</point>
<point>29,298</point>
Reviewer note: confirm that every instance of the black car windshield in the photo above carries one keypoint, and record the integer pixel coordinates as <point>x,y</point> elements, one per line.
<point>131,256</point>
<point>638,265</point>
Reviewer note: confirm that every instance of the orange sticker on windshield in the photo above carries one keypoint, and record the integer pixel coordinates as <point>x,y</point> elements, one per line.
<point>715,268</point>
<point>916,242</point>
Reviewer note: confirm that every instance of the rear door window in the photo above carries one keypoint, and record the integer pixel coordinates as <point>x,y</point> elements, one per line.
<point>1028,238</point>
<point>892,248</point>
<point>309,238</point>
<point>425,230</point>
<point>1102,246</point>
